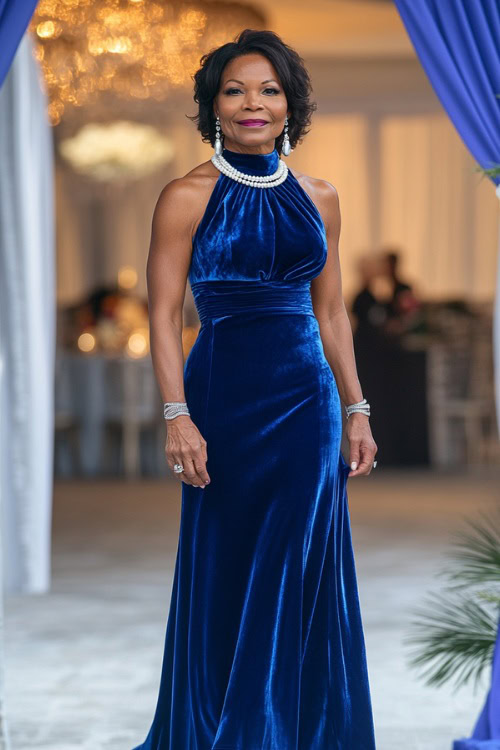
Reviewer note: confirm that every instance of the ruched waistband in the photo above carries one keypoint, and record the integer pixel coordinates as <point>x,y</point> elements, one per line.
<point>218,298</point>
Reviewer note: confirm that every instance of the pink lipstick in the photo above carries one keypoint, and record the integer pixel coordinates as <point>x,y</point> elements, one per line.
<point>253,123</point>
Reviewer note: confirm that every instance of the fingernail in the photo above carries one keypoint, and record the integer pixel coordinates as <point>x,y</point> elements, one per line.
<point>354,465</point>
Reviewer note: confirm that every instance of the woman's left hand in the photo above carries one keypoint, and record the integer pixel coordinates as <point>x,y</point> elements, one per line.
<point>362,446</point>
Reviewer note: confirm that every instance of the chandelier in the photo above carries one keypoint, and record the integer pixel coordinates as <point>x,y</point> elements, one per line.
<point>130,49</point>
<point>117,151</point>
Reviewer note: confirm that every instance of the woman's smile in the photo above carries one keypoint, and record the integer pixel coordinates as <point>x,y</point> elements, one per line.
<point>253,123</point>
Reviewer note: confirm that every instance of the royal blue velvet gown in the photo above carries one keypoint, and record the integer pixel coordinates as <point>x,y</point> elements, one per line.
<point>264,644</point>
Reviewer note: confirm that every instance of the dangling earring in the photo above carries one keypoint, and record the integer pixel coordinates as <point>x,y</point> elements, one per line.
<point>286,149</point>
<point>218,142</point>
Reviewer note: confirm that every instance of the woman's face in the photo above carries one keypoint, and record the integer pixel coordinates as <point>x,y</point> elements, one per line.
<point>250,91</point>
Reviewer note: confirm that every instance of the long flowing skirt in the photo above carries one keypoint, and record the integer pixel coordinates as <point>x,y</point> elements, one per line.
<point>264,644</point>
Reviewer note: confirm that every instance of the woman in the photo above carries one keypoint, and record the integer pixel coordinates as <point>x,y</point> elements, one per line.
<point>264,645</point>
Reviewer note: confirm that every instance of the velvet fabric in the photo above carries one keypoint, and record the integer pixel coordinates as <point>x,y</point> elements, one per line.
<point>15,16</point>
<point>264,644</point>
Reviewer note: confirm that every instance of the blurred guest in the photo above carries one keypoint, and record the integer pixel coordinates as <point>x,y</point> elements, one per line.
<point>389,369</point>
<point>369,311</point>
<point>370,344</point>
<point>402,308</point>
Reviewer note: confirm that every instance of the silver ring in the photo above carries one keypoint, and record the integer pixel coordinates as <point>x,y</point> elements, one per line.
<point>178,468</point>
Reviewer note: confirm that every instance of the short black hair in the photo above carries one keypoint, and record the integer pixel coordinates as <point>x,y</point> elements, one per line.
<point>288,65</point>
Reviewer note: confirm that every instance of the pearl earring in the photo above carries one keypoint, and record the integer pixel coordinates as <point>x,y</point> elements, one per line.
<point>218,142</point>
<point>286,149</point>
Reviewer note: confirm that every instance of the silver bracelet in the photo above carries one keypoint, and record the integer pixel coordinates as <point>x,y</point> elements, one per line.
<point>172,409</point>
<point>361,406</point>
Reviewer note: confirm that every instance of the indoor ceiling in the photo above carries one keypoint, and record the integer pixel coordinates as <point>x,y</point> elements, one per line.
<point>339,28</point>
<point>327,33</point>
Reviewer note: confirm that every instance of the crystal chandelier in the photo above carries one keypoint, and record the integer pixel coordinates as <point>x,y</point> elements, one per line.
<point>117,151</point>
<point>138,49</point>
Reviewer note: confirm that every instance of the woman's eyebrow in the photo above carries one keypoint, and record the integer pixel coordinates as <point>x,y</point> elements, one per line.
<point>236,81</point>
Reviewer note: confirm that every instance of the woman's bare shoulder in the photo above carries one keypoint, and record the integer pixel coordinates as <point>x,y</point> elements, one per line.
<point>190,186</point>
<point>323,194</point>
<point>183,199</point>
<point>318,187</point>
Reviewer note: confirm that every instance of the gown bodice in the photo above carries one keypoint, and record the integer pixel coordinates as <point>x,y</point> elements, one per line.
<point>258,234</point>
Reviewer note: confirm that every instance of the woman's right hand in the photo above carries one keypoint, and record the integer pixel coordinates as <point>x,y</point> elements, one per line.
<point>185,445</point>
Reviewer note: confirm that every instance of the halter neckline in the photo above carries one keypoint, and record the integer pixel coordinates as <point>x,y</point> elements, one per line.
<point>261,164</point>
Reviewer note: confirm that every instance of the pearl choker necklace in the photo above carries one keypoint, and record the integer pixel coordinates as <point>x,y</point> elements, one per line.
<point>260,181</point>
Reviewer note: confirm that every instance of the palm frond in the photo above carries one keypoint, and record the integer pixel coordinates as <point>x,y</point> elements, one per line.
<point>455,637</point>
<point>492,597</point>
<point>475,552</point>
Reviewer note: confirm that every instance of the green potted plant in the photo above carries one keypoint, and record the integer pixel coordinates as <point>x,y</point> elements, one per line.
<point>456,635</point>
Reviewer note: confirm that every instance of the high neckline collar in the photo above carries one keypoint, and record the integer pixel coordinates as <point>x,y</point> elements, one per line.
<point>261,164</point>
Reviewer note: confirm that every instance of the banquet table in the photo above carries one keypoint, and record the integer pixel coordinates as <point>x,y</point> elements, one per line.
<point>108,416</point>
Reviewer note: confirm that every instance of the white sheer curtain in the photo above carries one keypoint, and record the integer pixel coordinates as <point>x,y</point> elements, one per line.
<point>408,181</point>
<point>27,326</point>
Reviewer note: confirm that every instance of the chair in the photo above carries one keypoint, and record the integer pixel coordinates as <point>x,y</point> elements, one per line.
<point>461,396</point>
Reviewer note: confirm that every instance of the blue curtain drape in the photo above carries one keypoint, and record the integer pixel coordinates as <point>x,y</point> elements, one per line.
<point>458,44</point>
<point>14,18</point>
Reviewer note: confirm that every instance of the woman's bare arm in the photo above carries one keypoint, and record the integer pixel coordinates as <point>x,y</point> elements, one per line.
<point>328,301</point>
<point>336,331</point>
<point>174,218</point>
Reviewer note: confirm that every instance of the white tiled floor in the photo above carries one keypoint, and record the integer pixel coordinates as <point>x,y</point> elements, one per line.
<point>83,662</point>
